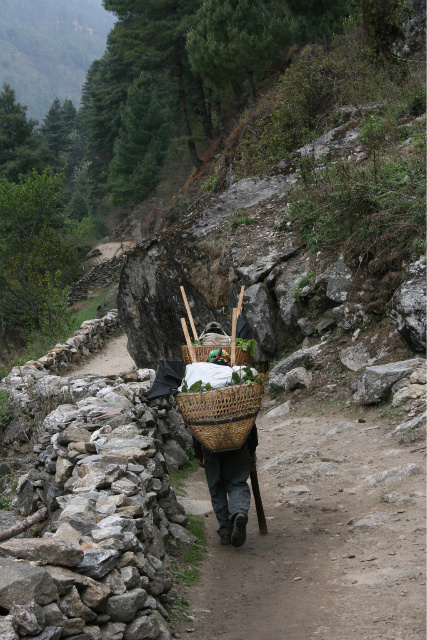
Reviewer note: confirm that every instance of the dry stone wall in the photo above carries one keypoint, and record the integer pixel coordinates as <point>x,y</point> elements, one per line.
<point>100,570</point>
<point>100,275</point>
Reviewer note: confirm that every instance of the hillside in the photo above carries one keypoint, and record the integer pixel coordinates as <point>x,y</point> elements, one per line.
<point>47,46</point>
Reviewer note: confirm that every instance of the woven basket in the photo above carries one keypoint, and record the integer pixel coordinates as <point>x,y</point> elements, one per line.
<point>242,357</point>
<point>222,419</point>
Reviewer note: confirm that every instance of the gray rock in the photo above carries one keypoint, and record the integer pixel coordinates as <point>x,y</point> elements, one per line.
<point>409,392</point>
<point>113,630</point>
<point>414,423</point>
<point>21,583</point>
<point>281,410</point>
<point>290,457</point>
<point>285,289</point>
<point>30,618</point>
<point>173,450</point>
<point>302,358</point>
<point>181,534</point>
<point>375,383</point>
<point>305,326</point>
<point>287,493</point>
<point>53,615</point>
<point>5,470</point>
<point>323,327</point>
<point>339,281</point>
<point>27,500</point>
<point>395,475</point>
<point>98,562</point>
<point>259,314</point>
<point>8,628</point>
<point>123,608</point>
<point>71,605</point>
<point>144,627</point>
<point>350,316</point>
<point>355,358</point>
<point>298,378</point>
<point>44,551</point>
<point>130,577</point>
<point>408,308</point>
<point>372,521</point>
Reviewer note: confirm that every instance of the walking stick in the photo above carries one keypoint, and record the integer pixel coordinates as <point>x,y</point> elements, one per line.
<point>262,524</point>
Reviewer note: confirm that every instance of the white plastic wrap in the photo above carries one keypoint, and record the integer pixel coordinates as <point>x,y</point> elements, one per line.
<point>217,375</point>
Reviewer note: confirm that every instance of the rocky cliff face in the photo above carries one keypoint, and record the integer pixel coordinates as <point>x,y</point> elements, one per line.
<point>245,237</point>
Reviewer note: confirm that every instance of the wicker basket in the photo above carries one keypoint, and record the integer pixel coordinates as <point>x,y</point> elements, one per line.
<point>222,419</point>
<point>242,357</point>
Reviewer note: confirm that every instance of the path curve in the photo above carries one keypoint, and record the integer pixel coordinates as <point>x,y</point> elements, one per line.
<point>112,358</point>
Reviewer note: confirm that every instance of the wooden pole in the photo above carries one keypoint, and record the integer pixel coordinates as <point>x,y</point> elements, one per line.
<point>262,524</point>
<point>190,317</point>
<point>239,306</point>
<point>233,337</point>
<point>41,514</point>
<point>188,341</point>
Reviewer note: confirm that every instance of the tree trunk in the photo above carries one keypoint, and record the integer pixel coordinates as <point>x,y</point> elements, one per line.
<point>251,87</point>
<point>235,85</point>
<point>218,113</point>
<point>206,120</point>
<point>41,514</point>
<point>184,113</point>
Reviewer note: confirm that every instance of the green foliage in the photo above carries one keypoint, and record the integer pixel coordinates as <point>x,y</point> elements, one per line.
<point>21,148</point>
<point>246,345</point>
<point>382,23</point>
<point>248,378</point>
<point>236,222</point>
<point>378,209</point>
<point>232,37</point>
<point>306,280</point>
<point>316,21</point>
<point>177,479</point>
<point>190,575</point>
<point>58,125</point>
<point>305,102</point>
<point>35,265</point>
<point>141,145</point>
<point>4,410</point>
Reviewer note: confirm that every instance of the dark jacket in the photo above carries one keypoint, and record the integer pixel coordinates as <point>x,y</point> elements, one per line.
<point>252,442</point>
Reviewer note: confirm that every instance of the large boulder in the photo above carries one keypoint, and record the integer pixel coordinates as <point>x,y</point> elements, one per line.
<point>408,308</point>
<point>259,313</point>
<point>301,358</point>
<point>375,383</point>
<point>151,306</point>
<point>339,281</point>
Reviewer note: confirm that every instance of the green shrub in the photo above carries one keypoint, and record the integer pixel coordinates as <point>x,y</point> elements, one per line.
<point>4,410</point>
<point>236,222</point>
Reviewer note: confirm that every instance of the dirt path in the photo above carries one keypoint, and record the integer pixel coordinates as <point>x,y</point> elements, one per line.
<point>113,358</point>
<point>312,577</point>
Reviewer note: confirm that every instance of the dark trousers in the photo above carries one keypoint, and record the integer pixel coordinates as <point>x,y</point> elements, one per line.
<point>227,474</point>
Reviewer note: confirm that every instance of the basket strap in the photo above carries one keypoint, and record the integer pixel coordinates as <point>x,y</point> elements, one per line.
<point>225,421</point>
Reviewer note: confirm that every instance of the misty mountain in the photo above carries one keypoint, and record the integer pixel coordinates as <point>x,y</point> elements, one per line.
<point>47,46</point>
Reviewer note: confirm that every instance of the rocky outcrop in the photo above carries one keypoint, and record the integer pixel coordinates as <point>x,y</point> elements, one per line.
<point>408,308</point>
<point>375,384</point>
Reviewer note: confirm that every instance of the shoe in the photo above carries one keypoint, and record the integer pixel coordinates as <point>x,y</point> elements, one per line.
<point>238,535</point>
<point>225,540</point>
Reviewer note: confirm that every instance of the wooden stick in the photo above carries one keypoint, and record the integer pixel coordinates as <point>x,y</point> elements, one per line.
<point>239,306</point>
<point>233,337</point>
<point>190,317</point>
<point>188,341</point>
<point>262,524</point>
<point>41,514</point>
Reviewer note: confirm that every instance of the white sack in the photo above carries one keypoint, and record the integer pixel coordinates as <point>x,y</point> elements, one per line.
<point>217,375</point>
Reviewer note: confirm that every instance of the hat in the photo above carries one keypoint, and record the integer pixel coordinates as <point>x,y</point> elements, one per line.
<point>214,327</point>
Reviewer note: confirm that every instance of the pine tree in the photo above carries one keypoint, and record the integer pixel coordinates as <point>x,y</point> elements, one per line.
<point>232,37</point>
<point>21,148</point>
<point>152,34</point>
<point>317,20</point>
<point>141,145</point>
<point>52,129</point>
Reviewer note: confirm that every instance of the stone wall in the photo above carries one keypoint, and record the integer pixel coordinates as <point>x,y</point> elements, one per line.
<point>100,275</point>
<point>100,570</point>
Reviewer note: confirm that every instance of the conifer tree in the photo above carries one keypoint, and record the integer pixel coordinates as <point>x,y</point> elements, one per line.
<point>231,37</point>
<point>317,20</point>
<point>141,145</point>
<point>21,148</point>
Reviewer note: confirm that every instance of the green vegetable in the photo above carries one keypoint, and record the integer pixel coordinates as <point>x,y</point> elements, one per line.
<point>247,344</point>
